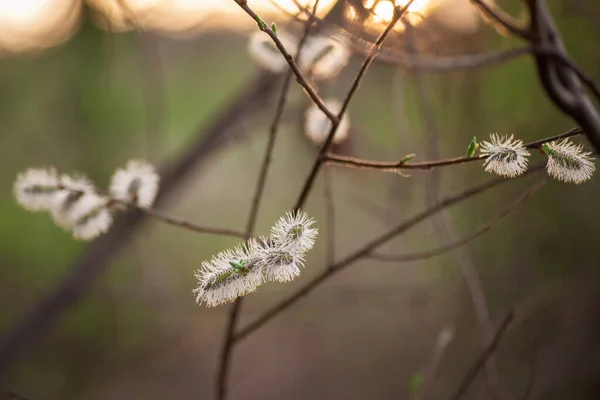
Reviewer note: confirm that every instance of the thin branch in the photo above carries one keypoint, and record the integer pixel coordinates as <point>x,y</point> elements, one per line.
<point>372,245</point>
<point>423,255</point>
<point>228,342</point>
<point>497,17</point>
<point>398,14</point>
<point>353,162</point>
<point>482,359</point>
<point>329,215</point>
<point>310,91</point>
<point>182,223</point>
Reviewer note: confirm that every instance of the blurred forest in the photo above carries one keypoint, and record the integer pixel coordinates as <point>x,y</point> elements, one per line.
<point>102,97</point>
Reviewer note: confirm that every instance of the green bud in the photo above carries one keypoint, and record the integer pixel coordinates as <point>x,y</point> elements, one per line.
<point>473,146</point>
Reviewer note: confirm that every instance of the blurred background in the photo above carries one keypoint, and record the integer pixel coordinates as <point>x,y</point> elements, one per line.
<point>87,86</point>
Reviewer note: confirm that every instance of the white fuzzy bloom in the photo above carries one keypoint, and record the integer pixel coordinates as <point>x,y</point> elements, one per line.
<point>567,162</point>
<point>281,263</point>
<point>63,201</point>
<point>90,216</point>
<point>34,189</point>
<point>505,156</point>
<point>221,282</point>
<point>136,183</point>
<point>265,53</point>
<point>324,57</point>
<point>317,125</point>
<point>294,230</point>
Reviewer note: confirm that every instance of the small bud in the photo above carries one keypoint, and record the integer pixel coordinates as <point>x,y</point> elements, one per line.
<point>407,158</point>
<point>473,146</point>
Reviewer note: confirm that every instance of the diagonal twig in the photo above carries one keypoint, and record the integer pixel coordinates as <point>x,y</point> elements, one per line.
<point>423,255</point>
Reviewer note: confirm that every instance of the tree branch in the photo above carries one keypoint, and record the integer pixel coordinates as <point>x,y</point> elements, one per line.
<point>423,255</point>
<point>353,162</point>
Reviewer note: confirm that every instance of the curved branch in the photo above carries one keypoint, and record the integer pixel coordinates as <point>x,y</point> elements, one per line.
<point>423,255</point>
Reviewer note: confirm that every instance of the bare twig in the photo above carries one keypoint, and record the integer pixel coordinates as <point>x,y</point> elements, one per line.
<point>372,245</point>
<point>423,255</point>
<point>498,18</point>
<point>329,215</point>
<point>183,223</point>
<point>485,355</point>
<point>310,91</point>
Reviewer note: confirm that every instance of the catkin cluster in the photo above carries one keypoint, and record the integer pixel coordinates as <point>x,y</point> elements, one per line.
<point>75,203</point>
<point>278,258</point>
<point>567,162</point>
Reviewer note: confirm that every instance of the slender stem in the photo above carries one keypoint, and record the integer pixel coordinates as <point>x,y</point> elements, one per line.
<point>423,255</point>
<point>182,223</point>
<point>353,162</point>
<point>310,91</point>
<point>372,245</point>
<point>329,215</point>
<point>485,355</point>
<point>398,13</point>
<point>228,343</point>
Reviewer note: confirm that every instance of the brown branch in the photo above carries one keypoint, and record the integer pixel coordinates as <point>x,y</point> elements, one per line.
<point>353,162</point>
<point>423,255</point>
<point>232,320</point>
<point>499,19</point>
<point>398,14</point>
<point>482,359</point>
<point>329,215</point>
<point>310,91</point>
<point>182,223</point>
<point>372,245</point>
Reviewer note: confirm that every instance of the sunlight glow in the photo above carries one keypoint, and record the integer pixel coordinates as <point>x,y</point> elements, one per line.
<point>27,25</point>
<point>384,10</point>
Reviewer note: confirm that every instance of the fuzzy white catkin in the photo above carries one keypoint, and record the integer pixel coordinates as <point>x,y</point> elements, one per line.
<point>317,125</point>
<point>295,230</point>
<point>324,57</point>
<point>505,156</point>
<point>219,282</point>
<point>265,53</point>
<point>64,200</point>
<point>35,188</point>
<point>567,162</point>
<point>90,216</point>
<point>281,263</point>
<point>138,182</point>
